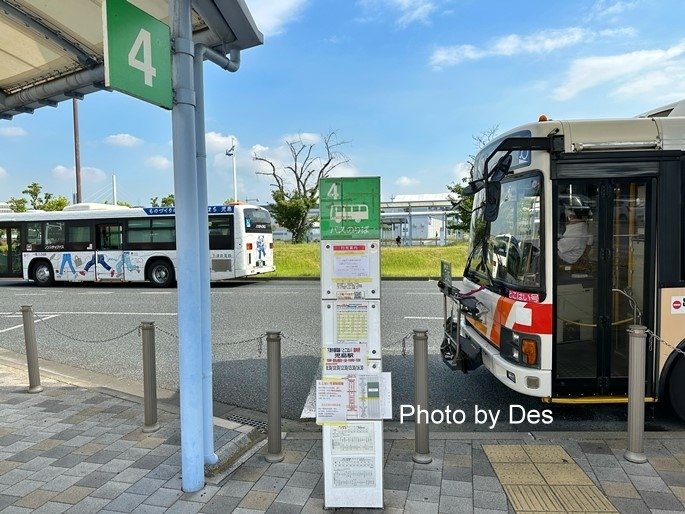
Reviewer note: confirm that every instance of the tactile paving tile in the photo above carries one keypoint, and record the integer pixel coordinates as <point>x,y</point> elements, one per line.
<point>552,482</point>
<point>517,473</point>
<point>542,453</point>
<point>533,498</point>
<point>505,453</point>
<point>584,498</point>
<point>564,474</point>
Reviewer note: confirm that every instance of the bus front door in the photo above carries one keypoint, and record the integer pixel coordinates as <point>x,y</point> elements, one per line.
<point>109,255</point>
<point>603,259</point>
<point>10,252</point>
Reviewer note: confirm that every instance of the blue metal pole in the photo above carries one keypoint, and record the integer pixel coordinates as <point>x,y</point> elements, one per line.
<point>203,242</point>
<point>188,259</point>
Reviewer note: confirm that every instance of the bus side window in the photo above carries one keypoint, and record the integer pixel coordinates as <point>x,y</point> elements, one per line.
<point>78,237</point>
<point>54,233</point>
<point>34,233</point>
<point>220,235</point>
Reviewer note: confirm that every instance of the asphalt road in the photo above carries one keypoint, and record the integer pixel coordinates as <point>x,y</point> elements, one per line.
<point>95,327</point>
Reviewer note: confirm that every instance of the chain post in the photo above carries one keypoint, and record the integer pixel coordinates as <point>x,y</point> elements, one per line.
<point>421,442</point>
<point>149,377</point>
<point>273,380</point>
<point>31,349</point>
<point>637,339</point>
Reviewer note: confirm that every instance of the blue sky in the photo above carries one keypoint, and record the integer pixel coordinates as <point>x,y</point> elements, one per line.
<point>406,83</point>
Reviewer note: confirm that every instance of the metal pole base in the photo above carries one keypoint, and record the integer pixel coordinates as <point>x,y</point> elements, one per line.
<point>211,459</point>
<point>151,428</point>
<point>36,389</point>
<point>274,457</point>
<point>637,458</point>
<point>422,458</point>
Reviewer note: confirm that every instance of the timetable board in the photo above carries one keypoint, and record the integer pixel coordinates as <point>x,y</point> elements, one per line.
<point>353,395</point>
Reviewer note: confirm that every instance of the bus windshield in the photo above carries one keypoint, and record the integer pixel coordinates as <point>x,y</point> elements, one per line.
<point>512,242</point>
<point>257,220</point>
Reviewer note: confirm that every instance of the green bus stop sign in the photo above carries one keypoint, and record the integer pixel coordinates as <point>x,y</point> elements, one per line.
<point>137,53</point>
<point>350,208</point>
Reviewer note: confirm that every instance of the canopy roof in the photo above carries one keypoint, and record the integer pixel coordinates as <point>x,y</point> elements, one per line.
<point>52,50</point>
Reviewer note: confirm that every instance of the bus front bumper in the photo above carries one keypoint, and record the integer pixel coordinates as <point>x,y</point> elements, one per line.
<point>529,381</point>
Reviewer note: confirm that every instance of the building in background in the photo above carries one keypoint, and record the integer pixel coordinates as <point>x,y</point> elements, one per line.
<point>418,219</point>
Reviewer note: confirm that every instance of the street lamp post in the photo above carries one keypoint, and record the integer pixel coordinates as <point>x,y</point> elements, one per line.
<point>231,153</point>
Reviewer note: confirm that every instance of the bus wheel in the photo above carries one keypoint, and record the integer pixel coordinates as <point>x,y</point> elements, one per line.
<point>161,274</point>
<point>42,274</point>
<point>676,387</point>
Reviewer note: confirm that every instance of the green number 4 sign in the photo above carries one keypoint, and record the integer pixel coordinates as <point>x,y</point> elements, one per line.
<point>137,53</point>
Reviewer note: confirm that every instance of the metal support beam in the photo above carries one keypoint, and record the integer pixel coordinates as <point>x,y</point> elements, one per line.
<point>39,28</point>
<point>53,88</point>
<point>210,457</point>
<point>232,64</point>
<point>189,297</point>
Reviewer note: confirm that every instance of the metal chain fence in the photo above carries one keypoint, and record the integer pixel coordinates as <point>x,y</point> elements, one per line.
<point>653,337</point>
<point>259,339</point>
<point>89,341</point>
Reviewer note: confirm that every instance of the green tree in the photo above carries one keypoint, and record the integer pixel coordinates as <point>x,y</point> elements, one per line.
<point>18,204</point>
<point>33,190</point>
<point>55,203</point>
<point>154,201</point>
<point>168,200</point>
<point>296,188</point>
<point>461,220</point>
<point>38,200</point>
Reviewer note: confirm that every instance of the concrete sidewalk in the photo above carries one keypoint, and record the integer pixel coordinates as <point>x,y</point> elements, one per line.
<point>80,448</point>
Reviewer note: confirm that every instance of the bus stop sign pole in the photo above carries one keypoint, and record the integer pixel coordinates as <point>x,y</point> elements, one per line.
<point>187,222</point>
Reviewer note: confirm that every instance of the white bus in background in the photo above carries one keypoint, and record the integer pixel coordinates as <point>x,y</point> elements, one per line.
<point>105,243</point>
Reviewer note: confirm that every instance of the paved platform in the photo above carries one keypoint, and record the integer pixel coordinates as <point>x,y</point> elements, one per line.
<point>81,448</point>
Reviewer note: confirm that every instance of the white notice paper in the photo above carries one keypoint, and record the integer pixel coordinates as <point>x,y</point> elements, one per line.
<point>350,260</point>
<point>331,400</point>
<point>369,396</point>
<point>352,439</point>
<point>354,472</point>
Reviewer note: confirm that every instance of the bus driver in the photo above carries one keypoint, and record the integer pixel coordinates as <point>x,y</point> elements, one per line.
<point>576,238</point>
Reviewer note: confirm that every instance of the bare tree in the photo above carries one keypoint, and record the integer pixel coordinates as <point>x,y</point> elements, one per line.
<point>296,183</point>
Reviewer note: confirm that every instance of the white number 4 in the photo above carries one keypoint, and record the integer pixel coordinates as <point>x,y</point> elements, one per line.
<point>333,191</point>
<point>143,40</point>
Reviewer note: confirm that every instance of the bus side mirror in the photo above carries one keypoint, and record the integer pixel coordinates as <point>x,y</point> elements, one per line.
<point>492,195</point>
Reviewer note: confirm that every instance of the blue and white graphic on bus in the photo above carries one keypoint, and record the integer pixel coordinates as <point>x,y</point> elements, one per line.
<point>212,209</point>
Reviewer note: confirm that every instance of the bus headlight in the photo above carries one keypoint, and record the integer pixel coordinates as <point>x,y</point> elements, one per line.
<point>529,351</point>
<point>518,348</point>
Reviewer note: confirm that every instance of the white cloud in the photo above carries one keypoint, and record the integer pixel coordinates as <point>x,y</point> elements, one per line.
<point>541,42</point>
<point>88,173</point>
<point>12,131</point>
<point>158,162</point>
<point>123,140</point>
<point>3,172</point>
<point>461,171</point>
<point>589,72</point>
<point>610,8</point>
<point>272,17</point>
<point>408,11</point>
<point>216,142</point>
<point>308,138</point>
<point>405,181</point>
<point>344,170</point>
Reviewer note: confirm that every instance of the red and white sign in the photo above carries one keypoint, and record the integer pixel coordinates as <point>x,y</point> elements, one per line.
<point>677,305</point>
<point>521,296</point>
